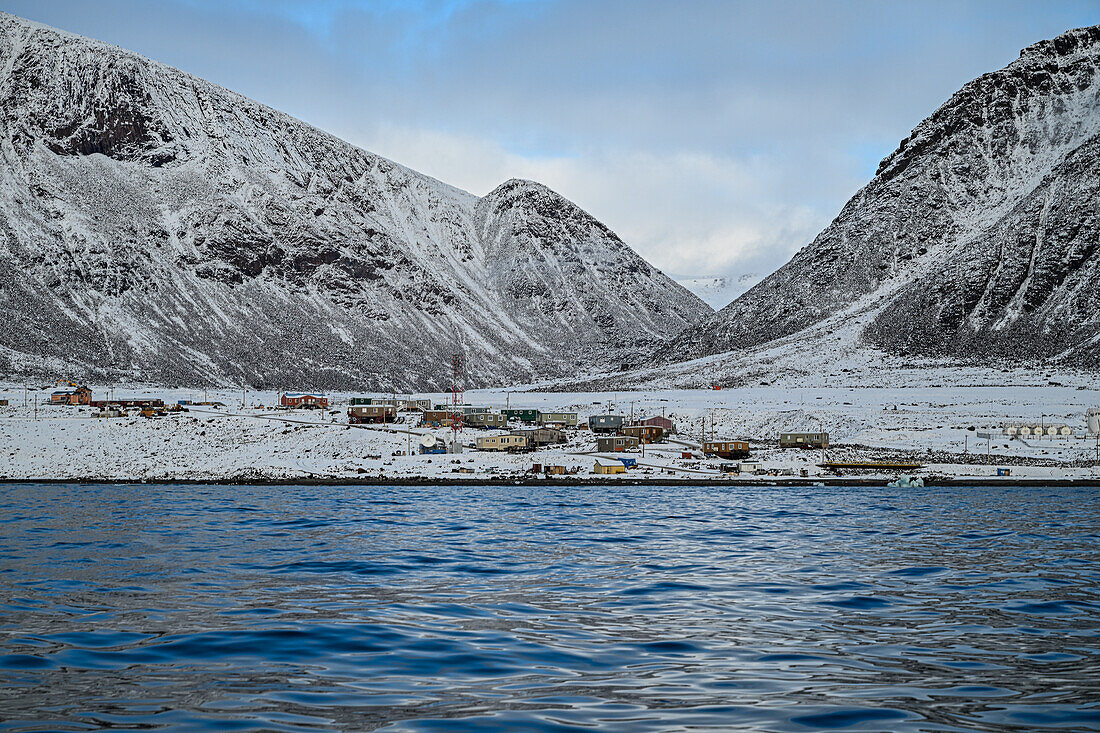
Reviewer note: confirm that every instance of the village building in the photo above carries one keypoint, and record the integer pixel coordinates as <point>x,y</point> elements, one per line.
<point>803,440</point>
<point>726,448</point>
<point>502,442</point>
<point>401,403</point>
<point>303,399</point>
<point>141,403</point>
<point>644,433</point>
<point>616,443</point>
<point>539,437</point>
<point>522,414</point>
<point>659,421</point>
<point>360,414</point>
<point>71,396</point>
<point>438,418</point>
<point>485,420</point>
<point>606,423</point>
<point>559,419</point>
<point>606,466</point>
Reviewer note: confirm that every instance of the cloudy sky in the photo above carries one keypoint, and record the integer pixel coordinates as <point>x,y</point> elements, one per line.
<point>717,138</point>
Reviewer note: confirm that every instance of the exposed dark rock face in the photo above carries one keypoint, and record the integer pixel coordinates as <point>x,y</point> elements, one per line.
<point>157,227</point>
<point>976,239</point>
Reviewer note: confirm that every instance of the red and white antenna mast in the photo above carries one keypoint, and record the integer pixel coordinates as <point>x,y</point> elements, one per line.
<point>456,396</point>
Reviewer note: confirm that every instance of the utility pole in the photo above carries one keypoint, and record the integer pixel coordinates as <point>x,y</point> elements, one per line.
<point>966,444</point>
<point>988,439</point>
<point>36,406</point>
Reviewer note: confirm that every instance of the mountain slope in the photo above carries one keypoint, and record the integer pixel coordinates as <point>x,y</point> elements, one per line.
<point>154,226</point>
<point>978,237</point>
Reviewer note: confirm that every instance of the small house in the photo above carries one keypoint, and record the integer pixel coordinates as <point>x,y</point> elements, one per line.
<point>360,414</point>
<point>303,399</point>
<point>726,448</point>
<point>522,415</point>
<point>616,443</point>
<point>605,466</point>
<point>71,396</point>
<point>803,440</point>
<point>539,437</point>
<point>644,433</point>
<point>438,418</point>
<point>559,419</point>
<point>502,442</point>
<point>485,420</point>
<point>606,423</point>
<point>659,421</point>
<point>554,470</point>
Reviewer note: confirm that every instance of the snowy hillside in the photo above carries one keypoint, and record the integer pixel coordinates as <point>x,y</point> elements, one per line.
<point>979,238</point>
<point>156,227</point>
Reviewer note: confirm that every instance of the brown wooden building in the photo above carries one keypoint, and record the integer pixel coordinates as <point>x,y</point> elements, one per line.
<point>358,414</point>
<point>726,448</point>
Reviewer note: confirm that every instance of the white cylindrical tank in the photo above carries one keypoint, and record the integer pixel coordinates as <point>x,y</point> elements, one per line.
<point>1037,430</point>
<point>1011,429</point>
<point>1065,430</point>
<point>1053,429</point>
<point>1093,418</point>
<point>1024,430</point>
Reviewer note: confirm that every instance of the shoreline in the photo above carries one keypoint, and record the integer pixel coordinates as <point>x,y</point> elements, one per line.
<point>772,481</point>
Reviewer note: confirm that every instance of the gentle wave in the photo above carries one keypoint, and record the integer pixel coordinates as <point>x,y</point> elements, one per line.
<point>548,608</point>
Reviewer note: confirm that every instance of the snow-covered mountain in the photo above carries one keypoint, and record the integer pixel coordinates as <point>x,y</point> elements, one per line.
<point>978,238</point>
<point>157,227</point>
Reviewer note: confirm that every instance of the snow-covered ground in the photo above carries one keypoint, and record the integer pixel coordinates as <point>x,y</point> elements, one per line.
<point>940,426</point>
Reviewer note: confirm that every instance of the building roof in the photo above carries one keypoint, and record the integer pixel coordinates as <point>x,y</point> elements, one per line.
<point>292,395</point>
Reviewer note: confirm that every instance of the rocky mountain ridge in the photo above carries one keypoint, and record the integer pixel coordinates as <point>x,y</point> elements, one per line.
<point>978,238</point>
<point>156,227</point>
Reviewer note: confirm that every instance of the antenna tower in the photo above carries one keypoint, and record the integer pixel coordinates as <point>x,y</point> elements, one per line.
<point>456,396</point>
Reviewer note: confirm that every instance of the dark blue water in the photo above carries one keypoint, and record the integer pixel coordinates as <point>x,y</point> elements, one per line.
<point>561,608</point>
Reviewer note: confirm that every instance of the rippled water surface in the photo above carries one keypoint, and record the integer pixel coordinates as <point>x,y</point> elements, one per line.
<point>556,608</point>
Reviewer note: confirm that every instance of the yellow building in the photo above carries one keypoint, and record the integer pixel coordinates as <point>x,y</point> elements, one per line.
<point>608,467</point>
